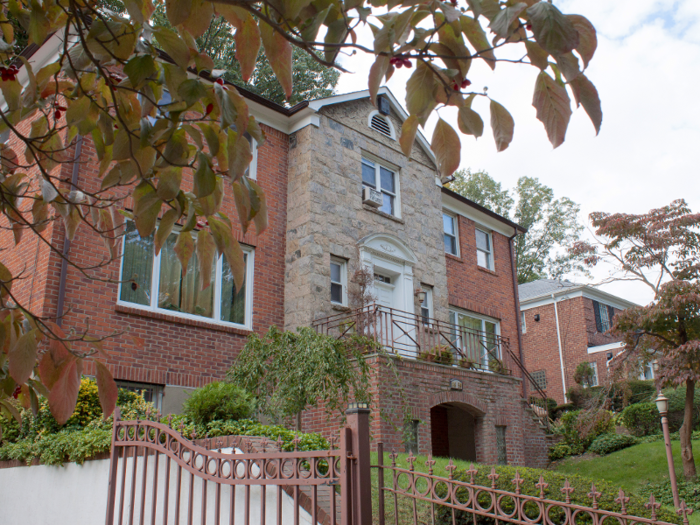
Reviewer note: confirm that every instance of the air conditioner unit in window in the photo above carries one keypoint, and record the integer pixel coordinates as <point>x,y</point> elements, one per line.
<point>372,197</point>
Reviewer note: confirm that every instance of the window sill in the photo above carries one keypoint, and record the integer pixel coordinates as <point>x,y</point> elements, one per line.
<point>482,269</point>
<point>340,307</point>
<point>372,209</point>
<point>454,257</point>
<point>130,310</point>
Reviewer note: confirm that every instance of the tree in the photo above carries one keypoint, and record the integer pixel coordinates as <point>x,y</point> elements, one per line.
<point>292,371</point>
<point>661,249</point>
<point>552,224</point>
<point>106,88</point>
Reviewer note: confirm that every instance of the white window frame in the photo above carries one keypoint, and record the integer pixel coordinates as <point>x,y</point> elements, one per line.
<point>343,279</point>
<point>377,180</point>
<point>604,314</point>
<point>138,386</point>
<point>483,318</point>
<point>489,254</point>
<point>455,226</point>
<point>253,166</point>
<point>594,366</point>
<point>523,323</point>
<point>215,319</point>
<point>428,303</point>
<point>388,121</point>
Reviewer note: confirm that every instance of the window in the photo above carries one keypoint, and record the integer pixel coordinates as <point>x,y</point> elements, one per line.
<point>483,250</point>
<point>384,180</point>
<point>594,379</point>
<point>647,372</point>
<point>410,435</point>
<point>501,449</point>
<point>540,378</point>
<point>382,278</point>
<point>523,324</point>
<point>252,169</point>
<point>426,307</point>
<point>381,124</point>
<point>449,228</point>
<point>338,281</point>
<point>156,283</point>
<point>477,338</point>
<point>151,393</point>
<point>603,316</point>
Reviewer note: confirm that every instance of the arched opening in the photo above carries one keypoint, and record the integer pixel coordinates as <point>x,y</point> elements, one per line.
<point>453,431</point>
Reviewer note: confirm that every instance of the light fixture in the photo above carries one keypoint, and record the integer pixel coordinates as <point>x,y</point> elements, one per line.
<point>421,295</point>
<point>662,404</point>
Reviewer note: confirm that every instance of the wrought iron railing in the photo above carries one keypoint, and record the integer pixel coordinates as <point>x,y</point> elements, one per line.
<point>418,337</point>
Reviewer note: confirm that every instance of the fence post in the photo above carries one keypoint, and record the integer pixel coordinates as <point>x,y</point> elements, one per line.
<point>358,423</point>
<point>113,458</point>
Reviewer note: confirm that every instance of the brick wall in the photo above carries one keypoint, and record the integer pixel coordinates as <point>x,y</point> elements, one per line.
<point>578,332</point>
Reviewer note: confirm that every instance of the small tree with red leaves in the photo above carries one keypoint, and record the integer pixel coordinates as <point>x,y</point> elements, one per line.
<point>660,248</point>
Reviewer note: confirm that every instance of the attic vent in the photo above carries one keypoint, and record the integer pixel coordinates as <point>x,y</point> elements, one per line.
<point>381,125</point>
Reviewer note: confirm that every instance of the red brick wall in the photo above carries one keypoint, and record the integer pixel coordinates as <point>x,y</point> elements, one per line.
<point>175,351</point>
<point>578,332</point>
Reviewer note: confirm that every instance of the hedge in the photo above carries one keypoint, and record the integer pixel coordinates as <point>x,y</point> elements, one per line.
<point>641,419</point>
<point>581,485</point>
<point>608,443</point>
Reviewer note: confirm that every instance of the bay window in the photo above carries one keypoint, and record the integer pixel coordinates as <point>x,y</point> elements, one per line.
<point>157,283</point>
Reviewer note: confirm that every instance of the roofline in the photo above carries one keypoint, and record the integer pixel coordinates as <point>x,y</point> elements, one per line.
<point>484,210</point>
<point>582,289</point>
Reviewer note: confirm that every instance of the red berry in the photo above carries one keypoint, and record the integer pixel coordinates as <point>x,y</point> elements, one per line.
<point>407,63</point>
<point>57,115</point>
<point>210,108</point>
<point>528,26</point>
<point>398,65</point>
<point>220,81</point>
<point>455,87</point>
<point>466,83</point>
<point>17,391</point>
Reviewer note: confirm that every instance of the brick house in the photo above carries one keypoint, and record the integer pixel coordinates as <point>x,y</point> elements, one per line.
<point>565,324</point>
<point>342,196</point>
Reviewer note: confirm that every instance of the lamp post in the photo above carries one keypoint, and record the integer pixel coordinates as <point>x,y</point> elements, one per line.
<point>662,405</point>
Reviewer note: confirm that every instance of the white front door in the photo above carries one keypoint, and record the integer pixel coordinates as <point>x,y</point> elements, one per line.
<point>385,290</point>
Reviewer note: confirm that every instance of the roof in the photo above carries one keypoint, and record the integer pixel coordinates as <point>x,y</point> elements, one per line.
<point>516,227</point>
<point>545,291</point>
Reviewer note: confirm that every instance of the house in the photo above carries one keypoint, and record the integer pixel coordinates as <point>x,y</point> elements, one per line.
<point>565,324</point>
<point>343,198</point>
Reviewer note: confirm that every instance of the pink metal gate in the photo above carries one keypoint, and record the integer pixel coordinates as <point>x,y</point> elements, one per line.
<point>159,477</point>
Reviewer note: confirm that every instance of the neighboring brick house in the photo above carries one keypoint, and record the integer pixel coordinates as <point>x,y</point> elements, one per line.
<point>342,196</point>
<point>563,325</point>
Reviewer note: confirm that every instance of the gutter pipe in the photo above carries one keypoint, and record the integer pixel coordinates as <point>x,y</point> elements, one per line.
<point>561,353</point>
<point>516,304</point>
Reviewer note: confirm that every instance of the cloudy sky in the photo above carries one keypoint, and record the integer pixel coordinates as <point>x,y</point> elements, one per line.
<point>647,71</point>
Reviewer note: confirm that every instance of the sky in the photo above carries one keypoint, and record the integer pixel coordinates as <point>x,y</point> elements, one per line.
<point>647,72</point>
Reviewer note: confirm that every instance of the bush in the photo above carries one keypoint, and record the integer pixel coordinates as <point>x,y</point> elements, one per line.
<point>562,409</point>
<point>607,443</point>
<point>676,407</point>
<point>584,374</point>
<point>688,491</point>
<point>439,354</point>
<point>580,427</point>
<point>641,419</point>
<point>587,397</point>
<point>581,485</point>
<point>218,401</point>
<point>559,451</point>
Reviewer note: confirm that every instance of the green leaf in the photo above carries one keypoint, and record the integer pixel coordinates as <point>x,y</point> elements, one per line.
<point>568,66</point>
<point>553,107</point>
<point>503,20</point>
<point>477,38</point>
<point>211,136</point>
<point>191,91</point>
<point>538,56</point>
<point>201,13</point>
<point>173,45</point>
<point>553,31</point>
<point>139,10</point>
<point>146,208</point>
<point>12,91</point>
<point>177,151</point>
<point>255,131</point>
<point>502,125</point>
<point>204,177</point>
<point>184,248</point>
<point>239,155</point>
<point>408,134</point>
<point>22,357</point>
<point>376,75</point>
<point>106,389</point>
<point>446,146</point>
<point>39,25</point>
<point>77,111</point>
<point>169,180</point>
<point>64,393</point>
<point>588,40</point>
<point>259,205</point>
<point>586,94</point>
<point>241,198</point>
<point>206,252</point>
<point>420,91</point>
<point>165,227</point>
<point>247,37</point>
<point>227,245</point>
<point>139,69</point>
<point>177,11</point>
<point>469,122</point>
<point>279,53</point>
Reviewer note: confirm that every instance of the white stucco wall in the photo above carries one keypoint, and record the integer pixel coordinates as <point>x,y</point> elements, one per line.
<point>77,495</point>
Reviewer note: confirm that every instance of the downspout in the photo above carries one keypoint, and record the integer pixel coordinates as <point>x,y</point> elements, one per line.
<point>561,354</point>
<point>66,240</point>
<point>516,304</point>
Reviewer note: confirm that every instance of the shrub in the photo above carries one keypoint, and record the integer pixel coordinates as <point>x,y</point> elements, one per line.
<point>439,354</point>
<point>584,374</point>
<point>676,406</point>
<point>562,409</point>
<point>581,485</point>
<point>641,419</point>
<point>607,443</point>
<point>496,366</point>
<point>688,491</point>
<point>559,451</point>
<point>218,401</point>
<point>247,427</point>
<point>587,397</point>
<point>580,427</point>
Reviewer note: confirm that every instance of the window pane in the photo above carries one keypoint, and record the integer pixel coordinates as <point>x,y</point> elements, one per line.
<point>388,204</point>
<point>387,179</point>
<point>482,241</point>
<point>482,259</point>
<point>182,293</point>
<point>137,267</point>
<point>335,272</point>
<point>448,225</point>
<point>232,300</point>
<point>369,176</point>
<point>450,245</point>
<point>336,293</point>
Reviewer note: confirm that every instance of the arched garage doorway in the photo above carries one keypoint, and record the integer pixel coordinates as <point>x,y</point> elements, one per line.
<point>453,430</point>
